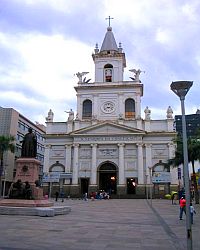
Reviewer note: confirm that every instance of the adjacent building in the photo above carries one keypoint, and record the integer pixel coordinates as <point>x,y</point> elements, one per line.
<point>15,124</point>
<point>192,123</point>
<point>108,145</point>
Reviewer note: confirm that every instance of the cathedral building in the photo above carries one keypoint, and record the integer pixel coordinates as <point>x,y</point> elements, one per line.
<point>108,145</point>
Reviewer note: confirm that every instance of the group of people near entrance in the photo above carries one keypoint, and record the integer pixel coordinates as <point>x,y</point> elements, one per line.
<point>101,195</point>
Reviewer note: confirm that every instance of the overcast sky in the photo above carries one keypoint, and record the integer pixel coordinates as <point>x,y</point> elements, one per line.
<point>43,43</point>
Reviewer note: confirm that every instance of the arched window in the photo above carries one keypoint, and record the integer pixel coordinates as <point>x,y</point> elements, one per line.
<point>57,167</point>
<point>87,109</point>
<point>108,72</point>
<point>130,108</point>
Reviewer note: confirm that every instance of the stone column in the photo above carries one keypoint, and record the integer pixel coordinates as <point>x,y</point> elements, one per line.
<point>148,160</point>
<point>121,187</point>
<point>46,158</point>
<point>94,165</point>
<point>140,164</point>
<point>138,107</point>
<point>171,150</point>
<point>75,165</point>
<point>95,106</point>
<point>121,105</point>
<point>68,158</point>
<point>121,164</point>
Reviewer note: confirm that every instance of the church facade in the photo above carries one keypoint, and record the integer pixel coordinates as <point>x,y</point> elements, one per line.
<point>108,145</point>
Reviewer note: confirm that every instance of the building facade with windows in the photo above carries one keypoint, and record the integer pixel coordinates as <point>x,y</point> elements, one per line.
<point>192,123</point>
<point>15,124</point>
<point>108,145</point>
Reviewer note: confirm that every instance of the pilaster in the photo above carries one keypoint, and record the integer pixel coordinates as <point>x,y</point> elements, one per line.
<point>75,165</point>
<point>148,148</point>
<point>46,158</point>
<point>140,163</point>
<point>94,165</point>
<point>68,158</point>
<point>121,164</point>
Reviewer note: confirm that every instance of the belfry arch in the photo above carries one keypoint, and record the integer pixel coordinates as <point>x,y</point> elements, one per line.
<point>108,176</point>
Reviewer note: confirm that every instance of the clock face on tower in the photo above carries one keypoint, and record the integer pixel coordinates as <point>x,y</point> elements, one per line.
<point>108,107</point>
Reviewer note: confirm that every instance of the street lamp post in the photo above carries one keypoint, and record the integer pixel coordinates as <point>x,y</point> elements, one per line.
<point>150,176</point>
<point>180,88</point>
<point>147,195</point>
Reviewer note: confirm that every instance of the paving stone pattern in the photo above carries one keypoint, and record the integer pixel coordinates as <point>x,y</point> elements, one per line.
<point>102,225</point>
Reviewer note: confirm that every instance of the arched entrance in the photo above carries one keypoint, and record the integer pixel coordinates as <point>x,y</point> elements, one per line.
<point>108,177</point>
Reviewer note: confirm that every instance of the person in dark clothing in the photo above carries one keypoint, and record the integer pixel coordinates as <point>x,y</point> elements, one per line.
<point>57,194</point>
<point>62,195</point>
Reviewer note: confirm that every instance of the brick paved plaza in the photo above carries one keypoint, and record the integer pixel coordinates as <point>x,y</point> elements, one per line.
<point>102,225</point>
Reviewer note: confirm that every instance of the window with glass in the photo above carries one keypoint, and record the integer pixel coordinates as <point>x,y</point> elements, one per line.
<point>130,108</point>
<point>87,109</point>
<point>108,73</point>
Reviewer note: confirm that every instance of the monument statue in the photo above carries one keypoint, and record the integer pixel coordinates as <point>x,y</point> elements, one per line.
<point>20,190</point>
<point>29,145</point>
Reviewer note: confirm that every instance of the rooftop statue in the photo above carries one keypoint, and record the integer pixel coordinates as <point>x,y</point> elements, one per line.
<point>169,112</point>
<point>137,74</point>
<point>29,144</point>
<point>80,76</point>
<point>71,115</point>
<point>50,116</point>
<point>147,112</point>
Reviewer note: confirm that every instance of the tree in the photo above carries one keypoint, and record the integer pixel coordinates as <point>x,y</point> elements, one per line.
<point>193,155</point>
<point>6,144</point>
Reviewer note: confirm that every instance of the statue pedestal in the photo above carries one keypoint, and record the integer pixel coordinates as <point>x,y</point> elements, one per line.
<point>28,170</point>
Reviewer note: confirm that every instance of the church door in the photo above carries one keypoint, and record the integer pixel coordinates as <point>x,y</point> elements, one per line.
<point>108,178</point>
<point>84,185</point>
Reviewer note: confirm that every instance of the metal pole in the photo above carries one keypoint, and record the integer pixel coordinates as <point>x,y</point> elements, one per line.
<point>147,187</point>
<point>150,184</point>
<point>186,177</point>
<point>4,187</point>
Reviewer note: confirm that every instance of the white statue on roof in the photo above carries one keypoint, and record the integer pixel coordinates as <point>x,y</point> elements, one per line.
<point>147,112</point>
<point>50,116</point>
<point>137,74</point>
<point>169,112</point>
<point>71,115</point>
<point>80,76</point>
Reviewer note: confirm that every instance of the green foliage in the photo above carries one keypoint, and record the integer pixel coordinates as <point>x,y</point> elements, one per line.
<point>6,144</point>
<point>193,145</point>
<point>193,151</point>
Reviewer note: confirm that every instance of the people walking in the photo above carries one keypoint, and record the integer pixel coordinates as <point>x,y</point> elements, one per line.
<point>62,195</point>
<point>182,207</point>
<point>57,194</point>
<point>85,196</point>
<point>192,212</point>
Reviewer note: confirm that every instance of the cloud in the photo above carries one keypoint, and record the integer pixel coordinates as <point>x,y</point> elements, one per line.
<point>44,69</point>
<point>44,43</point>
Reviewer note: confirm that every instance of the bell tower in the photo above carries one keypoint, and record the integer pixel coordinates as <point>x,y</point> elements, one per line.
<point>109,97</point>
<point>109,61</point>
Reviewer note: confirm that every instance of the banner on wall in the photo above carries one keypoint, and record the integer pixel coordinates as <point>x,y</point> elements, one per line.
<point>161,177</point>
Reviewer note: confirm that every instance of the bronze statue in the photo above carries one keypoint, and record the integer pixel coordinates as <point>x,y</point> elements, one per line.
<point>29,144</point>
<point>19,190</point>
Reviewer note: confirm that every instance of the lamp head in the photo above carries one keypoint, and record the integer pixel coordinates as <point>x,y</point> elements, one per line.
<point>180,88</point>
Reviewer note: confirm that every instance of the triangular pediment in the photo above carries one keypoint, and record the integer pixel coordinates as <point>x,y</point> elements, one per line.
<point>108,128</point>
